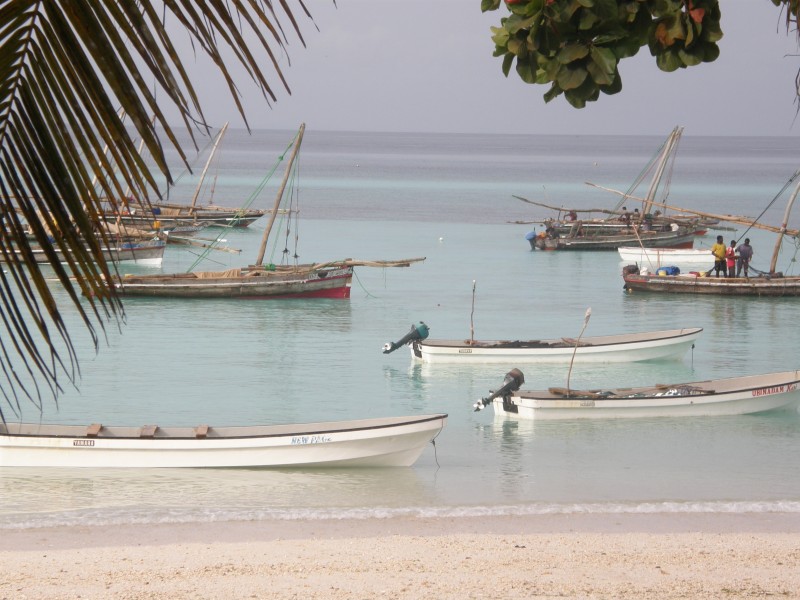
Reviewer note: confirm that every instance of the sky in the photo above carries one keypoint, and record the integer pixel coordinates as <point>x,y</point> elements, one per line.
<point>427,66</point>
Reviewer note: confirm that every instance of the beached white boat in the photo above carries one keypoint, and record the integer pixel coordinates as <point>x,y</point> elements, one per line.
<point>657,257</point>
<point>380,442</point>
<point>627,347</point>
<point>718,397</point>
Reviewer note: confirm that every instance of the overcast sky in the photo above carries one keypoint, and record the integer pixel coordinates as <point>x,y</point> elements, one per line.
<point>427,65</point>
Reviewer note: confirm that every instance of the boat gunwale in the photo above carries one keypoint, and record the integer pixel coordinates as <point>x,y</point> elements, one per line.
<point>558,343</point>
<point>218,433</point>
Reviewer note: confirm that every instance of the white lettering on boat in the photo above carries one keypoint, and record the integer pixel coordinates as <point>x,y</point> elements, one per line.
<point>311,439</point>
<point>780,389</point>
<point>587,403</point>
<point>465,350</point>
<point>83,442</point>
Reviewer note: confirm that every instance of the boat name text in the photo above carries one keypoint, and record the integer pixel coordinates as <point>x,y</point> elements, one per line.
<point>83,442</point>
<point>775,390</point>
<point>311,439</point>
<point>465,350</point>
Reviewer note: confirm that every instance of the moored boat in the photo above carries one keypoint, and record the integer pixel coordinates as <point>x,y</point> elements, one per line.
<point>749,394</point>
<point>628,347</point>
<point>378,442</point>
<point>148,253</point>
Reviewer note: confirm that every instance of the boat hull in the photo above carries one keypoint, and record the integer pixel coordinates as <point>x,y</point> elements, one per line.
<point>147,254</point>
<point>658,345</point>
<point>726,286</point>
<point>666,256</point>
<point>725,397</point>
<point>683,239</point>
<point>318,283</point>
<point>385,442</point>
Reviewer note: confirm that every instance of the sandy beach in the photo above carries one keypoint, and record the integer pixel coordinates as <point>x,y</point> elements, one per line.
<point>531,556</point>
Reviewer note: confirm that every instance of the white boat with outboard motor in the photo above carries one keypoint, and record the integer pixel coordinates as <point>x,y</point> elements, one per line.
<point>626,347</point>
<point>744,395</point>
<point>376,442</point>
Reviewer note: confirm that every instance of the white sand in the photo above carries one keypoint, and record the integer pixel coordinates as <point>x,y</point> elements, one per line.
<point>560,556</point>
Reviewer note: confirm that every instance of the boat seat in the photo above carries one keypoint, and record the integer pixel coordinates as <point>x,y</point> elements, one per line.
<point>148,431</point>
<point>201,431</point>
<point>93,429</point>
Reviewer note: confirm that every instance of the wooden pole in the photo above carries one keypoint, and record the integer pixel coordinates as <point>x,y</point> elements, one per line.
<point>208,164</point>
<point>471,315</point>
<point>774,262</point>
<point>278,198</point>
<point>577,342</point>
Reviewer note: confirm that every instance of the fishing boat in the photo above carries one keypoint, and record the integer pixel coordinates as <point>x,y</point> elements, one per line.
<point>745,395</point>
<point>629,347</point>
<point>178,216</point>
<point>771,283</point>
<point>378,442</point>
<point>649,229</point>
<point>259,281</point>
<point>678,237</point>
<point>147,253</point>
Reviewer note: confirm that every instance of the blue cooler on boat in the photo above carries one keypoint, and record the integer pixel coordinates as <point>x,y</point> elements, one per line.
<point>668,271</point>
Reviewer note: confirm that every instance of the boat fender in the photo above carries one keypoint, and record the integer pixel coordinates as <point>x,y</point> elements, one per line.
<point>418,332</point>
<point>512,382</point>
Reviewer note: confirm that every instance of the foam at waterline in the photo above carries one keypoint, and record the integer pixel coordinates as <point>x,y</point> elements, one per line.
<point>146,515</point>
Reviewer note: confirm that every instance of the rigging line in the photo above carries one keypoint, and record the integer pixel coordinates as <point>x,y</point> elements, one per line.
<point>361,285</point>
<point>778,195</point>
<point>253,196</point>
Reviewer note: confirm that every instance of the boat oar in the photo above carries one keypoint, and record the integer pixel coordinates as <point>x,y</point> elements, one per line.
<point>418,332</point>
<point>512,382</point>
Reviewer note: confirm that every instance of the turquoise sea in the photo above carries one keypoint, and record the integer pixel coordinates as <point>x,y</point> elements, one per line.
<point>449,198</point>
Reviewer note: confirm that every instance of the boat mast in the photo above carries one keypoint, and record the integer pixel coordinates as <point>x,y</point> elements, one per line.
<point>784,225</point>
<point>208,164</point>
<point>669,149</point>
<point>278,198</point>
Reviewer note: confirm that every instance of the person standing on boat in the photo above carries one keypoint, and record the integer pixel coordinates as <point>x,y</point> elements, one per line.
<point>745,254</point>
<point>730,258</point>
<point>718,250</point>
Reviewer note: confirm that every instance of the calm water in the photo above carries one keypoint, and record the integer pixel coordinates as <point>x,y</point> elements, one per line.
<point>448,198</point>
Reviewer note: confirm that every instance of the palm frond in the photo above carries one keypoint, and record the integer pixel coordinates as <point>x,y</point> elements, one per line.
<point>69,71</point>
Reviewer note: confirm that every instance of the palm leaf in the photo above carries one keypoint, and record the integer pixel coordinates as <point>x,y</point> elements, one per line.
<point>69,71</point>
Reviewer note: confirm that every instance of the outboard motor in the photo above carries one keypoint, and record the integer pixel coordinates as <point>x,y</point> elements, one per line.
<point>418,332</point>
<point>512,382</point>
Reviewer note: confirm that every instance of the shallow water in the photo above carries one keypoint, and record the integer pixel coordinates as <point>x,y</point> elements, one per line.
<point>447,198</point>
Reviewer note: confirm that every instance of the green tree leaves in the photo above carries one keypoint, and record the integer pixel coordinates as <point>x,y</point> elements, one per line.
<point>576,45</point>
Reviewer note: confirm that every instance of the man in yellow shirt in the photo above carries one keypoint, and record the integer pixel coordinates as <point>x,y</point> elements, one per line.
<point>718,250</point>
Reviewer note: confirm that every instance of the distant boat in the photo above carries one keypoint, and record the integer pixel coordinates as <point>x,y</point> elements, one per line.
<point>621,228</point>
<point>717,397</point>
<point>381,442</point>
<point>147,253</point>
<point>259,281</point>
<point>628,347</point>
<point>173,215</point>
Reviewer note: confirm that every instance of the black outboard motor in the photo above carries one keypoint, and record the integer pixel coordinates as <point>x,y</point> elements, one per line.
<point>418,332</point>
<point>512,382</point>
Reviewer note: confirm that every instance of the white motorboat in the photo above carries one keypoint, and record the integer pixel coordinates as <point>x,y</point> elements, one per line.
<point>717,397</point>
<point>379,442</point>
<point>626,347</point>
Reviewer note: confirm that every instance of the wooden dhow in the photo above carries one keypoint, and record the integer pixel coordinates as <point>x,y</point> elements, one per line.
<point>745,395</point>
<point>766,284</point>
<point>379,442</point>
<point>259,281</point>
